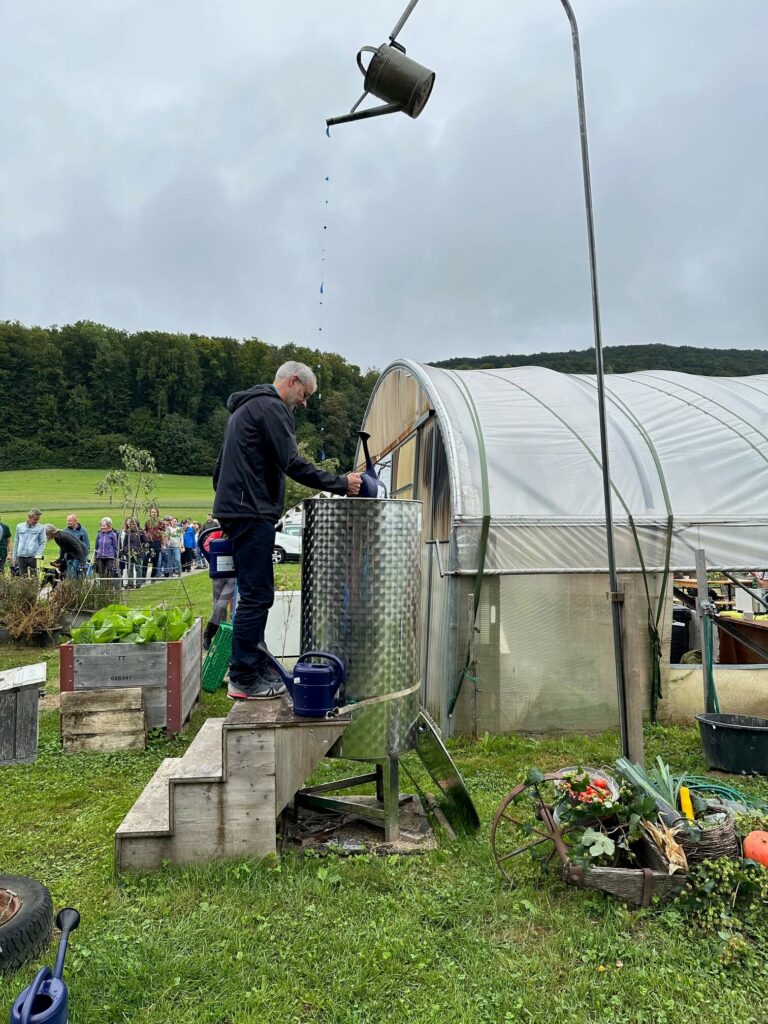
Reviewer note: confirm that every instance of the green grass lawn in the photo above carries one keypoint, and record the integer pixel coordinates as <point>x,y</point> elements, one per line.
<point>194,590</point>
<point>434,938</point>
<point>57,492</point>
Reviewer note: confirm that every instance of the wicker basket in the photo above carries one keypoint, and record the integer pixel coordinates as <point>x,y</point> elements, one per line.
<point>711,843</point>
<point>634,885</point>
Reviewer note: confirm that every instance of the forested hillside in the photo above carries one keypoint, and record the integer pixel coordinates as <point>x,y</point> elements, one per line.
<point>71,395</point>
<point>708,362</point>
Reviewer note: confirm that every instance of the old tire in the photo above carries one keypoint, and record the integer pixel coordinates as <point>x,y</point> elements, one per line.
<point>278,556</point>
<point>27,933</point>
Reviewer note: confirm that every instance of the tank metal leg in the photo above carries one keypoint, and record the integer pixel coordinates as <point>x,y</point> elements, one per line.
<point>386,814</point>
<point>390,771</point>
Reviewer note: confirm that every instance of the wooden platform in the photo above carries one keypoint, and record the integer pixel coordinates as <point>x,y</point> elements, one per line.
<point>222,798</point>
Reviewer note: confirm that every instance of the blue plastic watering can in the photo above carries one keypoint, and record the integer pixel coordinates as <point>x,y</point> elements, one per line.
<point>314,689</point>
<point>45,1001</point>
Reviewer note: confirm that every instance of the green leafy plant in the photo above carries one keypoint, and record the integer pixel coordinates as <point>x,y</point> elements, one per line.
<point>727,896</point>
<point>117,623</point>
<point>598,843</point>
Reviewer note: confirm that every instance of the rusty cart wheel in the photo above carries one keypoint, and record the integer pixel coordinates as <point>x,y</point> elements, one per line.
<point>524,826</point>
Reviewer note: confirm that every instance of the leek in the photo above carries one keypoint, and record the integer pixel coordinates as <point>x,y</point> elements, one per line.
<point>637,777</point>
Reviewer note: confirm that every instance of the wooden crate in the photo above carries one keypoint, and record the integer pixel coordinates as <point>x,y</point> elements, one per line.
<point>103,720</point>
<point>169,674</point>
<point>19,713</point>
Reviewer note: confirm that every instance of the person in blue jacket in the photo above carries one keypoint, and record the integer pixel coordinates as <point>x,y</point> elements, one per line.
<point>29,543</point>
<point>190,542</point>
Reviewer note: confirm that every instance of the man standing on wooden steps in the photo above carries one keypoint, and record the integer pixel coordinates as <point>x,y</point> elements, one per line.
<point>259,449</point>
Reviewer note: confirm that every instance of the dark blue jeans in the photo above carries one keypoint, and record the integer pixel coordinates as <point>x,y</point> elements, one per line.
<point>252,543</point>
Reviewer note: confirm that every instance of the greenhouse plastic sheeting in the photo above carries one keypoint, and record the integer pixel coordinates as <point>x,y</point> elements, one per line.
<point>691,448</point>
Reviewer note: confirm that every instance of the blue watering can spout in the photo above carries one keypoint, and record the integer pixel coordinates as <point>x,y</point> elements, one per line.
<point>45,1001</point>
<point>286,676</point>
<point>371,486</point>
<point>67,920</point>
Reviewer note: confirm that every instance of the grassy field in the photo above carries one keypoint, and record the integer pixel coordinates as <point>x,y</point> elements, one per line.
<point>363,940</point>
<point>194,590</point>
<point>434,939</point>
<point>57,492</point>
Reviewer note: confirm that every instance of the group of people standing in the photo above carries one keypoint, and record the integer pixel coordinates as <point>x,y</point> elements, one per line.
<point>164,547</point>
<point>24,548</point>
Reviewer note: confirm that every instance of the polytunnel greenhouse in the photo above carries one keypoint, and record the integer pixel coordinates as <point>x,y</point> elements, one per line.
<point>507,465</point>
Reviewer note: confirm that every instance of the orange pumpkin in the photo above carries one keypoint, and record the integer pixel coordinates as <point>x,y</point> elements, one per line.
<point>756,847</point>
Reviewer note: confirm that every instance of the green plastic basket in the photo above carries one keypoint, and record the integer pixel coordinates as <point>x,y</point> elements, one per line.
<point>217,660</point>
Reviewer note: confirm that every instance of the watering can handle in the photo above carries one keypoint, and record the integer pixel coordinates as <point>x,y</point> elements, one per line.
<point>42,975</point>
<point>339,664</point>
<point>364,49</point>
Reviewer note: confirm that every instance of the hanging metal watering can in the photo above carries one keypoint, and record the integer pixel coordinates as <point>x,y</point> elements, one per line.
<point>403,83</point>
<point>370,485</point>
<point>45,1001</point>
<point>315,689</point>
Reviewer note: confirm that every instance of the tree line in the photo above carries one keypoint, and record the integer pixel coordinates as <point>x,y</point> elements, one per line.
<point>72,395</point>
<point>707,362</point>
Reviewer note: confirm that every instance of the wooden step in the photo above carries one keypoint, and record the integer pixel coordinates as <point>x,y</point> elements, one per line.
<point>150,815</point>
<point>143,838</point>
<point>202,760</point>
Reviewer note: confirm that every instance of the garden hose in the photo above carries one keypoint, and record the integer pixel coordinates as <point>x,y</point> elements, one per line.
<point>701,784</point>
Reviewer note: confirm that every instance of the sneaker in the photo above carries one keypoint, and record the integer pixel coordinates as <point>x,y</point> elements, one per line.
<point>270,675</point>
<point>260,690</point>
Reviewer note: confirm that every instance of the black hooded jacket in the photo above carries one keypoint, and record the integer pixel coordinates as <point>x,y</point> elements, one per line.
<point>259,449</point>
<point>70,546</point>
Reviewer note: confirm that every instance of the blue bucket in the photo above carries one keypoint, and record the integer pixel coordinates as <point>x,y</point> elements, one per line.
<point>221,564</point>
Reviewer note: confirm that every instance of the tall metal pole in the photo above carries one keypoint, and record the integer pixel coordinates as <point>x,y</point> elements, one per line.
<point>614,596</point>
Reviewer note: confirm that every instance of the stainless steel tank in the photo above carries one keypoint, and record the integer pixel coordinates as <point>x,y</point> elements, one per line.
<point>361,600</point>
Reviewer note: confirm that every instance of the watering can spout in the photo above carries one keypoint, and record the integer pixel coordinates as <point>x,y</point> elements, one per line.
<point>287,677</point>
<point>66,921</point>
<point>361,115</point>
<point>371,486</point>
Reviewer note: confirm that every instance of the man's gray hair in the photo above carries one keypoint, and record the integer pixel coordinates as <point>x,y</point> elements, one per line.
<point>34,512</point>
<point>50,529</point>
<point>300,370</point>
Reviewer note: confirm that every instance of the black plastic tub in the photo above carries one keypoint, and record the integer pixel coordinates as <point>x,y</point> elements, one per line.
<point>735,743</point>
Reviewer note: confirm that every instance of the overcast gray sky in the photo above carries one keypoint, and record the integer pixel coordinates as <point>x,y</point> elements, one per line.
<point>162,166</point>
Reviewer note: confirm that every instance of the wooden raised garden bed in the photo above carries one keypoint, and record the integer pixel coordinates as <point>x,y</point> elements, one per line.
<point>169,674</point>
